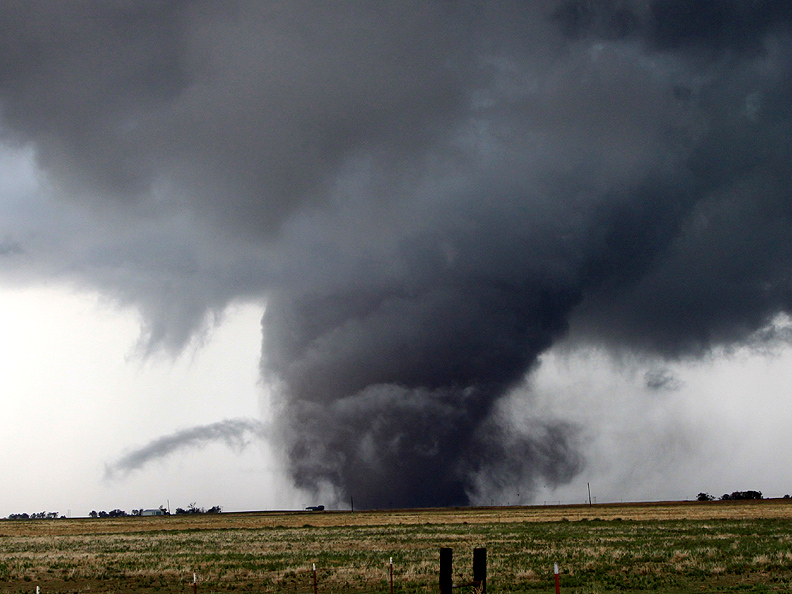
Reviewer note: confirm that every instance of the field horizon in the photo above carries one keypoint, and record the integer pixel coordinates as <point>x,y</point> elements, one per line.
<point>671,546</point>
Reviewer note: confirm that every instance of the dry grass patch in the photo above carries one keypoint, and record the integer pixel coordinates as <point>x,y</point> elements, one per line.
<point>272,552</point>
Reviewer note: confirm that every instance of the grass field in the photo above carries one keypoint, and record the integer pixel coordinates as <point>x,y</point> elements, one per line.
<point>673,547</point>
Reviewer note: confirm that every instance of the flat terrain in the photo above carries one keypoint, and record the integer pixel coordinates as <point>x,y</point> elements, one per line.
<point>657,547</point>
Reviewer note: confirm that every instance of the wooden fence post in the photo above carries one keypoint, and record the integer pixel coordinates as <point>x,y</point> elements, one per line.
<point>446,577</point>
<point>480,570</point>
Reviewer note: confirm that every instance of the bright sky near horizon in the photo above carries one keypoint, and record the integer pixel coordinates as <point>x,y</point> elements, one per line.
<point>78,395</point>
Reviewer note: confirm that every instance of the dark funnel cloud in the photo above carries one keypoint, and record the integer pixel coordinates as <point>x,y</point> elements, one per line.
<point>429,194</point>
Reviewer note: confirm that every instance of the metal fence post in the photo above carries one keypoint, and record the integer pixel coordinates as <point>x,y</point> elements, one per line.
<point>557,581</point>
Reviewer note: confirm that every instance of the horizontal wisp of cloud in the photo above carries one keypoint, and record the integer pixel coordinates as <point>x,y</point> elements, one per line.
<point>235,433</point>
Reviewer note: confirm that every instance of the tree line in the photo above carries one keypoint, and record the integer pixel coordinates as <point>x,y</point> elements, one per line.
<point>37,516</point>
<point>191,509</point>
<point>734,496</point>
<point>118,513</point>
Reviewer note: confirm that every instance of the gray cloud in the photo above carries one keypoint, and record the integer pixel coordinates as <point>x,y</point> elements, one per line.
<point>235,433</point>
<point>429,194</point>
<point>662,379</point>
<point>9,248</point>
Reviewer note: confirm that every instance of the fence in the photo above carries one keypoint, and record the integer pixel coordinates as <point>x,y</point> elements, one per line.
<point>309,581</point>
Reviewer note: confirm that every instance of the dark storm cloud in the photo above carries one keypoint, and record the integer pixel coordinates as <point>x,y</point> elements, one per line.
<point>234,433</point>
<point>722,24</point>
<point>429,194</point>
<point>604,18</point>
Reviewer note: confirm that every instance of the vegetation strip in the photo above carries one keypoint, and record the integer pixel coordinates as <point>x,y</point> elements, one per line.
<point>716,546</point>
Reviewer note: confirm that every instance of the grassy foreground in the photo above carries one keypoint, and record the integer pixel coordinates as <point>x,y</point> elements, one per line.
<point>674,547</point>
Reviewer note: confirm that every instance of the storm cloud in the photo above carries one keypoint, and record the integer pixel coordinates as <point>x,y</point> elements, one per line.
<point>429,195</point>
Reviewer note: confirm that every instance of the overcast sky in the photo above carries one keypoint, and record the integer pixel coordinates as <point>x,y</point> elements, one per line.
<point>263,254</point>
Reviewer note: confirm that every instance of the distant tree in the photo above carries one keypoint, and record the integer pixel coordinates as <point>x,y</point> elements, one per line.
<point>94,514</point>
<point>164,510</point>
<point>104,514</point>
<point>191,509</point>
<point>22,516</point>
<point>786,496</point>
<point>117,513</point>
<point>704,497</point>
<point>743,495</point>
<point>137,512</point>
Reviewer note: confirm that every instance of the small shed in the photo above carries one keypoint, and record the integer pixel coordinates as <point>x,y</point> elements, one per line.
<point>152,512</point>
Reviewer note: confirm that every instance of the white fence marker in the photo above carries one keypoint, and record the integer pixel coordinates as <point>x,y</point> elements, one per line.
<point>557,584</point>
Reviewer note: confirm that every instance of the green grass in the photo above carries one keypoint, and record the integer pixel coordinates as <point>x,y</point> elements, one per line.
<point>595,556</point>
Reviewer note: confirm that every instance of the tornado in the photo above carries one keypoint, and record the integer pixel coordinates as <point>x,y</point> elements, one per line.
<point>428,195</point>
